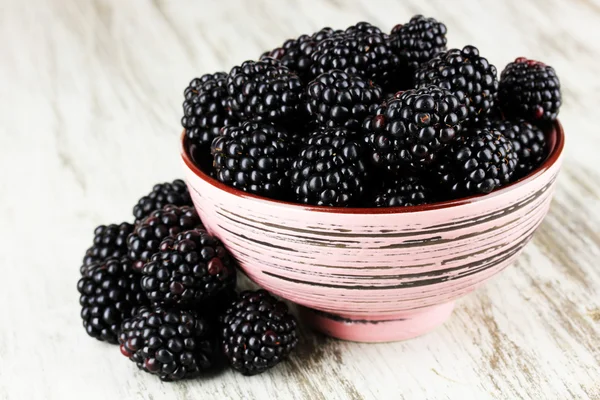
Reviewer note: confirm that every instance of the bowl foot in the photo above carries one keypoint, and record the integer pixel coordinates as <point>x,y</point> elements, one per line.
<point>387,328</point>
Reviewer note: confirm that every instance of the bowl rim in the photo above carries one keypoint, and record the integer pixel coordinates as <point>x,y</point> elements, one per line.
<point>550,160</point>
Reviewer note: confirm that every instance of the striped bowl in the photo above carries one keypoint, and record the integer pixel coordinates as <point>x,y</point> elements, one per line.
<point>376,274</point>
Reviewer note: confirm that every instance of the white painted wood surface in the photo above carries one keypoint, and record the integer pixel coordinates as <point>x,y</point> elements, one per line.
<point>90,97</point>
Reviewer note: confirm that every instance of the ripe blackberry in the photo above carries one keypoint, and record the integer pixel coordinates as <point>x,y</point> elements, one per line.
<point>188,269</point>
<point>254,157</point>
<point>478,163</point>
<point>530,89</point>
<point>336,98</point>
<point>109,241</point>
<point>330,170</point>
<point>110,292</point>
<point>205,112</point>
<point>295,54</point>
<point>470,77</point>
<point>160,224</point>
<point>172,344</point>
<point>175,193</point>
<point>258,332</point>
<point>265,90</point>
<point>411,128</point>
<point>363,27</point>
<point>402,192</point>
<point>528,141</point>
<point>417,42</point>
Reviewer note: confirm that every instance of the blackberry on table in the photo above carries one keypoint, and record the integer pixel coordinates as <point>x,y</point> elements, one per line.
<point>478,163</point>
<point>258,332</point>
<point>254,157</point>
<point>110,241</point>
<point>189,268</point>
<point>265,90</point>
<point>160,224</point>
<point>531,90</point>
<point>330,170</point>
<point>363,27</point>
<point>339,99</point>
<point>403,192</point>
<point>175,193</point>
<point>169,343</point>
<point>109,292</point>
<point>466,74</point>
<point>411,128</point>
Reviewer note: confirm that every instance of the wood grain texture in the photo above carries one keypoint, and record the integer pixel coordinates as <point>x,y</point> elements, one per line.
<point>89,111</point>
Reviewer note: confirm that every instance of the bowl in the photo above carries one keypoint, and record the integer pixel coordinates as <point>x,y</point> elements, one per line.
<point>376,274</point>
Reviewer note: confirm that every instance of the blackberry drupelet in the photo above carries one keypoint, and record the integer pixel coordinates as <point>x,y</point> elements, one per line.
<point>530,89</point>
<point>417,42</point>
<point>529,142</point>
<point>172,344</point>
<point>258,332</point>
<point>109,242</point>
<point>205,112</point>
<point>330,170</point>
<point>175,193</point>
<point>478,163</point>
<point>160,224</point>
<point>110,292</point>
<point>465,73</point>
<point>265,90</point>
<point>189,268</point>
<point>402,192</point>
<point>411,128</point>
<point>255,158</point>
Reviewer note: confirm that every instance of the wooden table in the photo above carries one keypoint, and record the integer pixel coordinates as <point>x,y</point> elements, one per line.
<point>90,103</point>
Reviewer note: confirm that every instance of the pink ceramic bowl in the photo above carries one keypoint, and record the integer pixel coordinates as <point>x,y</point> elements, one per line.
<point>376,274</point>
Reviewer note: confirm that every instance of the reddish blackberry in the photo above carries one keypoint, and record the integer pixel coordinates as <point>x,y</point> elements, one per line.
<point>110,291</point>
<point>330,170</point>
<point>254,157</point>
<point>529,142</point>
<point>402,192</point>
<point>295,54</point>
<point>530,89</point>
<point>336,98</point>
<point>172,344</point>
<point>258,332</point>
<point>265,90</point>
<point>417,42</point>
<point>175,193</point>
<point>160,224</point>
<point>109,241</point>
<point>188,269</point>
<point>470,77</point>
<point>478,163</point>
<point>411,128</point>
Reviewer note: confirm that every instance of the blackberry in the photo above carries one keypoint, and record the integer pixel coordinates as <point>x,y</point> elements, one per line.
<point>411,128</point>
<point>478,163</point>
<point>265,90</point>
<point>469,76</point>
<point>110,292</point>
<point>336,98</point>
<point>109,242</point>
<point>402,192</point>
<point>188,269</point>
<point>172,344</point>
<point>258,332</point>
<point>254,157</point>
<point>160,224</point>
<point>175,193</point>
<point>363,27</point>
<point>530,89</point>
<point>528,141</point>
<point>330,170</point>
<point>417,42</point>
<point>295,54</point>
<point>205,112</point>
